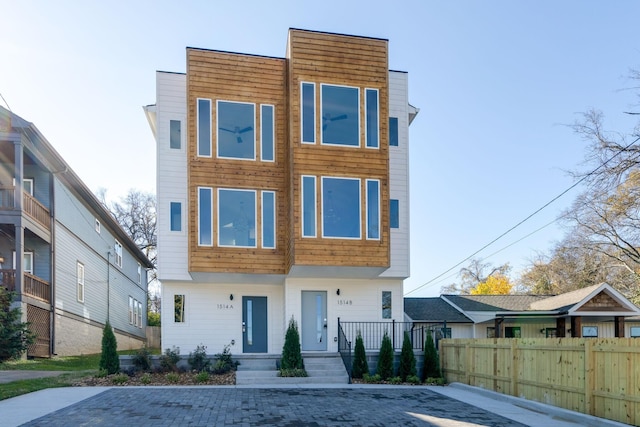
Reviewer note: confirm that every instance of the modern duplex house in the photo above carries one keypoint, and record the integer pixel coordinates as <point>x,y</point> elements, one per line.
<point>70,263</point>
<point>283,192</point>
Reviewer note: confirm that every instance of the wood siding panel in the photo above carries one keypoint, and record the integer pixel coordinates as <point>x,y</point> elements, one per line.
<point>351,61</point>
<point>242,78</point>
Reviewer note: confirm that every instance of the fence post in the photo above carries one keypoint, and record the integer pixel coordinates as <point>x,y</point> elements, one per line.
<point>467,362</point>
<point>514,367</point>
<point>393,338</point>
<point>589,374</point>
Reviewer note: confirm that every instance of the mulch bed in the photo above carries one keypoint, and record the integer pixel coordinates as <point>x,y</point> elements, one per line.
<point>156,379</point>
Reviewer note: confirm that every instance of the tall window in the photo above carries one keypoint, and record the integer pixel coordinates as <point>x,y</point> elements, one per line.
<point>386,304</point>
<point>237,218</point>
<point>268,219</point>
<point>204,127</point>
<point>340,115</point>
<point>139,314</point>
<point>175,134</point>
<point>118,253</point>
<point>80,281</point>
<point>308,206</point>
<point>205,217</point>
<point>373,209</point>
<point>97,226</point>
<point>308,116</point>
<point>393,131</point>
<point>176,216</point>
<point>27,185</point>
<point>267,133</point>
<point>131,317</point>
<point>341,207</point>
<point>139,274</point>
<point>372,124</point>
<point>236,130</point>
<point>394,213</point>
<point>178,308</point>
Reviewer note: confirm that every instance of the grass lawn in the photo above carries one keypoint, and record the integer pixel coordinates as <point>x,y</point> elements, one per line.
<point>17,388</point>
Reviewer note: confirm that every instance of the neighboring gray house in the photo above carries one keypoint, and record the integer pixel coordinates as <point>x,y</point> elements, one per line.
<point>71,264</point>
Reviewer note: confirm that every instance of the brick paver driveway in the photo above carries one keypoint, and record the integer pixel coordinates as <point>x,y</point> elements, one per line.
<point>202,406</point>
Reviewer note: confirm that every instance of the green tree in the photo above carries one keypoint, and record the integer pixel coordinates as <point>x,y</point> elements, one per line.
<point>407,366</point>
<point>496,284</point>
<point>360,365</point>
<point>431,367</point>
<point>109,360</point>
<point>15,336</point>
<point>291,354</point>
<point>385,358</point>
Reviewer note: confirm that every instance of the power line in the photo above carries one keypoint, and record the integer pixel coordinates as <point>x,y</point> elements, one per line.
<point>527,218</point>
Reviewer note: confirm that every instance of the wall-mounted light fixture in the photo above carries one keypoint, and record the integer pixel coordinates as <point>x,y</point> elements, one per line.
<point>338,292</point>
<point>231,297</point>
<point>542,331</point>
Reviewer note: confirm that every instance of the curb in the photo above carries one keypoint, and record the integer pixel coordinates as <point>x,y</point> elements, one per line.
<point>554,411</point>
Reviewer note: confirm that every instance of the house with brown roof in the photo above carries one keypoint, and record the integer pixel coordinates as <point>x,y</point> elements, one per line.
<point>596,311</point>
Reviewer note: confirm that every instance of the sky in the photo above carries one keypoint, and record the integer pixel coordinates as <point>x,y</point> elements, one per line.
<point>498,84</point>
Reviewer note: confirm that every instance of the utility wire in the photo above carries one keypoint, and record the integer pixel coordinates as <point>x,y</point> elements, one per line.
<point>527,218</point>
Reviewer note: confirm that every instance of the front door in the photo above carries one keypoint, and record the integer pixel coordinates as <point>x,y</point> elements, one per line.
<point>254,324</point>
<point>314,320</point>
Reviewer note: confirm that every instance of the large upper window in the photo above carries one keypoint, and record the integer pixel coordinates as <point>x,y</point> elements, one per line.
<point>204,127</point>
<point>341,207</point>
<point>308,116</point>
<point>308,206</point>
<point>267,136</point>
<point>373,209</point>
<point>236,134</point>
<point>205,217</point>
<point>268,219</point>
<point>340,115</point>
<point>372,125</point>
<point>237,218</point>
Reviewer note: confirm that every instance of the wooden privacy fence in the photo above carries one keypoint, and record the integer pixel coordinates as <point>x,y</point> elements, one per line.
<point>599,377</point>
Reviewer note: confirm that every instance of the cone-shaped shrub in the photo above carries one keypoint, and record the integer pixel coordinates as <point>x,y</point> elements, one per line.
<point>360,365</point>
<point>385,359</point>
<point>407,366</point>
<point>109,360</point>
<point>15,336</point>
<point>431,368</point>
<point>291,354</point>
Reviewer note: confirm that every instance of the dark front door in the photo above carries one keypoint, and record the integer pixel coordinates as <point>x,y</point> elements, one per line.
<point>254,324</point>
<point>314,320</point>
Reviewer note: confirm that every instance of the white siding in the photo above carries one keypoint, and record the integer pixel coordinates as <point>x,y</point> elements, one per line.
<point>399,175</point>
<point>171,103</point>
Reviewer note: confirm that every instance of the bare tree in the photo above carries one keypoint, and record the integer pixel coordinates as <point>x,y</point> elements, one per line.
<point>475,273</point>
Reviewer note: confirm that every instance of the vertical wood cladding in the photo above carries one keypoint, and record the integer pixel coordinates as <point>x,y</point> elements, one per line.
<point>349,61</point>
<point>242,78</point>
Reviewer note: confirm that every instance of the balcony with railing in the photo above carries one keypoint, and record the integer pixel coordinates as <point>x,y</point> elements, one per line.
<point>32,286</point>
<point>30,205</point>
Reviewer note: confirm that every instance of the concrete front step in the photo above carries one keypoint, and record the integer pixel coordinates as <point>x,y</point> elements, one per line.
<point>261,369</point>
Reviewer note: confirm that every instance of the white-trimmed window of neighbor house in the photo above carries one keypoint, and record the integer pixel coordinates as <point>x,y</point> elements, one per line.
<point>118,253</point>
<point>139,314</point>
<point>308,112</point>
<point>139,274</point>
<point>98,226</point>
<point>131,302</point>
<point>135,312</point>
<point>27,262</point>
<point>27,185</point>
<point>372,122</point>
<point>341,208</point>
<point>373,209</point>
<point>205,216</point>
<point>267,133</point>
<point>175,134</point>
<point>80,281</point>
<point>340,112</point>
<point>308,206</point>
<point>204,127</point>
<point>268,219</point>
<point>236,136</point>
<point>635,332</point>
<point>236,218</point>
<point>176,216</point>
<point>386,304</point>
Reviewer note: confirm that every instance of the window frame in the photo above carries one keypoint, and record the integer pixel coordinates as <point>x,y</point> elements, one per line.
<point>211,237</point>
<point>131,303</point>
<point>273,133</point>
<point>139,274</point>
<point>171,217</point>
<point>117,249</point>
<point>80,277</point>
<point>179,122</point>
<point>255,216</point>
<point>303,223</point>
<point>182,314</point>
<point>367,206</point>
<point>589,328</point>
<point>98,226</point>
<point>634,331</point>
<point>32,183</point>
<point>366,119</point>
<point>394,214</point>
<point>359,112</point>
<point>198,118</point>
<point>515,332</point>
<point>262,219</point>
<point>140,314</point>
<point>359,181</point>
<point>392,133</point>
<point>25,255</point>
<point>389,314</point>
<point>302,115</point>
<point>253,125</point>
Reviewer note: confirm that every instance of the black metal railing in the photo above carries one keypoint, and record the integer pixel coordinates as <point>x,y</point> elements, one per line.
<point>344,348</point>
<point>373,332</point>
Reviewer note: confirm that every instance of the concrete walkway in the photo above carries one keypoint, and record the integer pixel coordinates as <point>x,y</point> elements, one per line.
<point>312,405</point>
